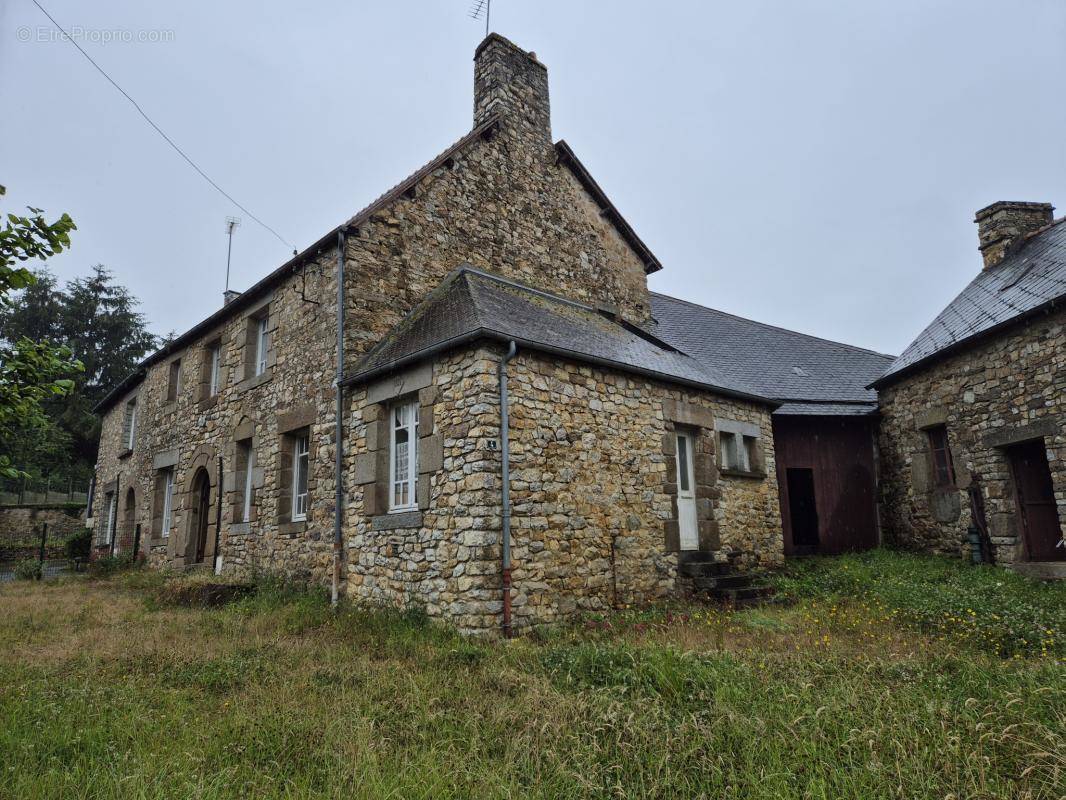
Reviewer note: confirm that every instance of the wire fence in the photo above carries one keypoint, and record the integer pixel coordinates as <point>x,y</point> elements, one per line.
<point>43,550</point>
<point>43,491</point>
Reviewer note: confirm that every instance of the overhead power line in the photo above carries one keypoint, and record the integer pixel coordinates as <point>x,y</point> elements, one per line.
<point>159,130</point>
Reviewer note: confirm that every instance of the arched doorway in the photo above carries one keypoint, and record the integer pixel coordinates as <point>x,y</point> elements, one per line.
<point>200,518</point>
<point>124,541</point>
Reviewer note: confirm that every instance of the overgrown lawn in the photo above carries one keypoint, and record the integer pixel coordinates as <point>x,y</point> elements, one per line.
<point>108,689</point>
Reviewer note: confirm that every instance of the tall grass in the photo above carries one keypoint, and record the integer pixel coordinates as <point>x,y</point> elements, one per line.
<point>105,694</point>
<point>979,606</point>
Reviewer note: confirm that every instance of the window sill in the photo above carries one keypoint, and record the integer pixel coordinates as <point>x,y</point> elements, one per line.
<point>743,473</point>
<point>257,380</point>
<point>292,528</point>
<point>397,520</point>
<point>125,453</point>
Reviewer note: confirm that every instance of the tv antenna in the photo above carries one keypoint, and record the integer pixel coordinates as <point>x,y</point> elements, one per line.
<point>232,223</point>
<point>479,8</point>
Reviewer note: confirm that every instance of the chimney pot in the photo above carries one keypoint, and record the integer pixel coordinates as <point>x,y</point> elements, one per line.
<point>1003,225</point>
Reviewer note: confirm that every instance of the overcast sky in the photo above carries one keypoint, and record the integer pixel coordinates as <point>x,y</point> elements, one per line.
<point>814,165</point>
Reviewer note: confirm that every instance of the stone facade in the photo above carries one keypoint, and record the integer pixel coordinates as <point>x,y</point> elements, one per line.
<point>504,199</point>
<point>1001,391</point>
<point>592,490</point>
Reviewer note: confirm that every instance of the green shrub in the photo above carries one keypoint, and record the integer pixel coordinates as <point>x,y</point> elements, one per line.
<point>109,565</point>
<point>79,545</point>
<point>28,569</point>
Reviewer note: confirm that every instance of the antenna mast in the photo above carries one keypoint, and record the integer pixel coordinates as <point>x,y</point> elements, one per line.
<point>232,223</point>
<point>480,7</point>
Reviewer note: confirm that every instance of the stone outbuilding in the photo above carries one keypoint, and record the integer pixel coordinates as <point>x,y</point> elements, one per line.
<point>973,430</point>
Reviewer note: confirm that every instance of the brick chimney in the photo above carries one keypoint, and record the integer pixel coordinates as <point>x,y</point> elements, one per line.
<point>512,84</point>
<point>1004,224</point>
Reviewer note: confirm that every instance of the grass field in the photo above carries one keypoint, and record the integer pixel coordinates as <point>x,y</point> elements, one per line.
<point>891,676</point>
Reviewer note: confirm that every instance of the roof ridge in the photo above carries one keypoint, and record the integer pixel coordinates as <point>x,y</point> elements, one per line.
<point>767,325</point>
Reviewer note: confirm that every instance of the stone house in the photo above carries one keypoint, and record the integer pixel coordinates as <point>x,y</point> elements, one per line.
<point>466,397</point>
<point>973,428</point>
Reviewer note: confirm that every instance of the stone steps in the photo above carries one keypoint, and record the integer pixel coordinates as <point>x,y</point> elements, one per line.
<point>1041,570</point>
<point>719,583</point>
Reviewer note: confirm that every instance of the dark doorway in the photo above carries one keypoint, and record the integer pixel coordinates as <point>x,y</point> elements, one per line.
<point>201,514</point>
<point>1036,501</point>
<point>803,512</point>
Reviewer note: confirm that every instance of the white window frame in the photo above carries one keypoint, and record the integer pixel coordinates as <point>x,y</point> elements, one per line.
<point>262,344</point>
<point>403,416</point>
<point>131,423</point>
<point>300,450</point>
<point>213,376</point>
<point>249,462</point>
<point>112,508</point>
<point>168,501</point>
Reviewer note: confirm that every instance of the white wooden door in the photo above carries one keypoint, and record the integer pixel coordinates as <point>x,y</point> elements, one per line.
<point>686,494</point>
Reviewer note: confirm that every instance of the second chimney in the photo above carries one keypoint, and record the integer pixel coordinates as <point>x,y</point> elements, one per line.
<point>1004,224</point>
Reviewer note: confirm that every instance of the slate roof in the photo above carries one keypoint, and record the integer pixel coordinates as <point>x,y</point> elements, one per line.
<point>1030,278</point>
<point>791,367</point>
<point>807,409</point>
<point>471,305</point>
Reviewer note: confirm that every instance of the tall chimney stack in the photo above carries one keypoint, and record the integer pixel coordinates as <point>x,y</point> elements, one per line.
<point>511,83</point>
<point>1004,224</point>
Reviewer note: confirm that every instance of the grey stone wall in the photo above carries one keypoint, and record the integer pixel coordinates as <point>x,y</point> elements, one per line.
<point>1003,390</point>
<point>592,490</point>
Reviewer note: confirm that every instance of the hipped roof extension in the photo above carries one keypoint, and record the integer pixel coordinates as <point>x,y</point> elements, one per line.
<point>471,305</point>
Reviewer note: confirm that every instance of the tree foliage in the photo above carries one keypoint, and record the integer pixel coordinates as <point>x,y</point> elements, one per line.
<point>32,372</point>
<point>98,321</point>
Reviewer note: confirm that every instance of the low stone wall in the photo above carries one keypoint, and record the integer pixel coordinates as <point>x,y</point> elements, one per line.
<point>20,530</point>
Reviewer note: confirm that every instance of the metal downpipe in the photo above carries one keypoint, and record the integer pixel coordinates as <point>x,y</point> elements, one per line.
<point>505,477</point>
<point>338,431</point>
